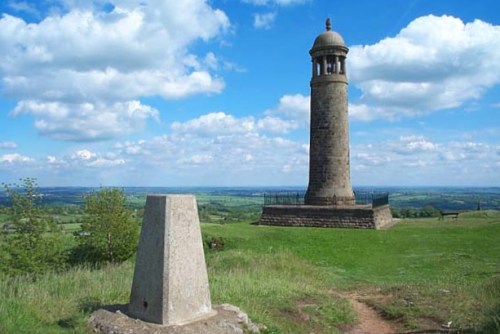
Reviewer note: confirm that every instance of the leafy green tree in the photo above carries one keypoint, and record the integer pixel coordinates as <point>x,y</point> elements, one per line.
<point>33,243</point>
<point>429,211</point>
<point>108,232</point>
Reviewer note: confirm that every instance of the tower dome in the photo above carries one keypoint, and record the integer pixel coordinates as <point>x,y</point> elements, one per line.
<point>328,39</point>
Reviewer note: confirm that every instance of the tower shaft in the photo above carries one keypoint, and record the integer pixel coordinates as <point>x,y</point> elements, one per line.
<point>329,168</point>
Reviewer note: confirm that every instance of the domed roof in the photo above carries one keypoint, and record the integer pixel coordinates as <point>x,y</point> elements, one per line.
<point>328,38</point>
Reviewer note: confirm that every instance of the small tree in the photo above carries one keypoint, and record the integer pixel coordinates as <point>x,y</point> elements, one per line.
<point>108,232</point>
<point>34,243</point>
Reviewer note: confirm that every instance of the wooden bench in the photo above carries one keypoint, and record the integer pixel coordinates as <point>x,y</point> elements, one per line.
<point>448,213</point>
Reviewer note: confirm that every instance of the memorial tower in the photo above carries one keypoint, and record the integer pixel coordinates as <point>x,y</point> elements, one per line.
<point>329,200</point>
<point>329,169</point>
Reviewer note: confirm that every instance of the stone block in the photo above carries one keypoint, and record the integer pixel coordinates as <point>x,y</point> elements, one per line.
<point>354,216</point>
<point>170,285</point>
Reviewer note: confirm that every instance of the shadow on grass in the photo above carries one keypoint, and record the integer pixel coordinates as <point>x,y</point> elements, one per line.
<point>86,307</point>
<point>85,255</point>
<point>493,324</point>
<point>68,323</point>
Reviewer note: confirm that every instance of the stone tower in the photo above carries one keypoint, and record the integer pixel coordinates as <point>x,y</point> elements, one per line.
<point>329,170</point>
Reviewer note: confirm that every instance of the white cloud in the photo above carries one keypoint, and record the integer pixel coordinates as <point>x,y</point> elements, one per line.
<point>264,21</point>
<point>215,123</point>
<point>412,144</point>
<point>434,63</point>
<point>371,159</point>
<point>84,155</point>
<point>295,106</point>
<point>87,56</point>
<point>197,159</point>
<point>104,162</point>
<point>87,121</point>
<point>7,145</point>
<point>276,125</point>
<point>86,158</point>
<point>221,123</point>
<point>14,158</point>
<point>221,156</point>
<point>416,160</point>
<point>54,161</point>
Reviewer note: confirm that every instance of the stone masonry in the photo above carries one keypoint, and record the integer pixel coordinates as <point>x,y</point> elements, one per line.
<point>359,216</point>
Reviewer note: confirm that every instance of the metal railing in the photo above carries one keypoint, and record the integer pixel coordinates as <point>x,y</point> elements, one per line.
<point>284,198</point>
<point>380,200</point>
<point>297,198</point>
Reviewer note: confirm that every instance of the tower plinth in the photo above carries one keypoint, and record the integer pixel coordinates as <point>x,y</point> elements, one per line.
<point>329,168</point>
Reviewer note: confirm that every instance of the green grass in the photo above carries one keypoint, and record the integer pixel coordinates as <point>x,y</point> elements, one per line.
<point>68,218</point>
<point>416,261</point>
<point>61,303</point>
<point>419,271</point>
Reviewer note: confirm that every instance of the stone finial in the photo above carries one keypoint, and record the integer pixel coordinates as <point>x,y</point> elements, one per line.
<point>328,24</point>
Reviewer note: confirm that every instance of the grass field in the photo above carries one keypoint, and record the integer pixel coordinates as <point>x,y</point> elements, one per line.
<point>420,273</point>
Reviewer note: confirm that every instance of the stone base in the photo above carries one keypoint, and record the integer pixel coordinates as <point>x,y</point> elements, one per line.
<point>353,216</point>
<point>228,320</point>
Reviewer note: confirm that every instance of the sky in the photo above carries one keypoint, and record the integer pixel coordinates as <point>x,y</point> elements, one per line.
<point>216,93</point>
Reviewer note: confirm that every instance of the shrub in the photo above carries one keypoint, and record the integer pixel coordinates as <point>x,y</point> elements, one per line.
<point>108,232</point>
<point>33,243</point>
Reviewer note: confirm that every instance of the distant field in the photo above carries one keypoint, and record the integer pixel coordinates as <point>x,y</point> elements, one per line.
<point>444,198</point>
<point>421,273</point>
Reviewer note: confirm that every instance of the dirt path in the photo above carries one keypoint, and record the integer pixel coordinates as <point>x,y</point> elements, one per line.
<point>369,321</point>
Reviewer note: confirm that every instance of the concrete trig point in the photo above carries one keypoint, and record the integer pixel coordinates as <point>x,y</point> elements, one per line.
<point>329,200</point>
<point>170,284</point>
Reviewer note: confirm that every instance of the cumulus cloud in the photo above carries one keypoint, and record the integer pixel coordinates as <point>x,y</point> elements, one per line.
<point>276,125</point>
<point>434,63</point>
<point>105,162</point>
<point>221,123</point>
<point>215,123</point>
<point>416,160</point>
<point>412,144</point>
<point>89,58</point>
<point>296,106</point>
<point>14,158</point>
<point>84,155</point>
<point>264,21</point>
<point>84,158</point>
<point>86,121</point>
<point>224,148</point>
<point>54,161</point>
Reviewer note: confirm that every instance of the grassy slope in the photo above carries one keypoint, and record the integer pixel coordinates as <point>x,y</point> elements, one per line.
<point>284,277</point>
<point>443,270</point>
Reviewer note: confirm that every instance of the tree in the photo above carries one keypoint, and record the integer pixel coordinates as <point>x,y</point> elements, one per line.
<point>33,243</point>
<point>108,232</point>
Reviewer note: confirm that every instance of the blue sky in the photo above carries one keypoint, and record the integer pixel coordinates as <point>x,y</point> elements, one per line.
<point>216,93</point>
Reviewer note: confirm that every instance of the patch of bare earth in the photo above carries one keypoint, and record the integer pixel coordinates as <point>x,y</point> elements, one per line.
<point>369,320</point>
